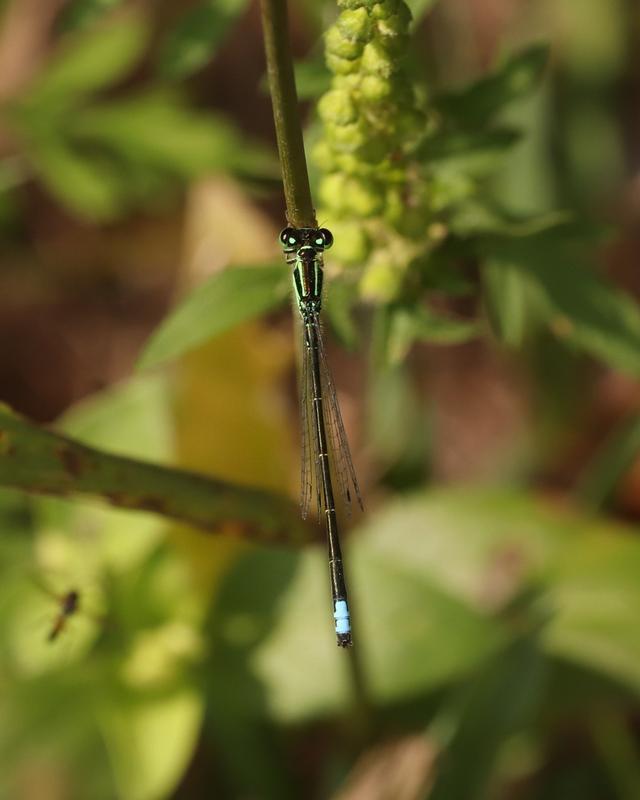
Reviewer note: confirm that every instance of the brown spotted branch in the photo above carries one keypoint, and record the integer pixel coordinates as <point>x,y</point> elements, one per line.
<point>44,462</point>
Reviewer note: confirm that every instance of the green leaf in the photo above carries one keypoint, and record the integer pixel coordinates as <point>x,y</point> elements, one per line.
<point>151,740</point>
<point>476,154</point>
<point>197,36</point>
<point>475,217</point>
<point>409,324</point>
<point>494,705</point>
<point>474,106</point>
<point>131,419</point>
<point>505,297</point>
<point>273,625</point>
<point>236,295</point>
<point>436,581</point>
<point>595,597</point>
<point>157,130</point>
<point>86,184</point>
<point>81,13</point>
<point>581,308</point>
<point>89,61</point>
<point>602,475</point>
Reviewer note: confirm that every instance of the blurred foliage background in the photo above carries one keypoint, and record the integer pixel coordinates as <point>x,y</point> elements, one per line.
<point>487,364</point>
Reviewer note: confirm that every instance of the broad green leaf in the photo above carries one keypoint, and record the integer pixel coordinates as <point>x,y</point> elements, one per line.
<point>581,308</point>
<point>151,740</point>
<point>603,473</point>
<point>233,296</point>
<point>88,61</point>
<point>493,705</point>
<point>409,325</point>
<point>594,596</point>
<point>196,37</point>
<point>89,185</point>
<point>474,106</point>
<point>156,130</point>
<point>273,625</point>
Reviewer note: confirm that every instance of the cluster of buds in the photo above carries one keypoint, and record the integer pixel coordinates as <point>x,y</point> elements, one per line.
<point>373,192</point>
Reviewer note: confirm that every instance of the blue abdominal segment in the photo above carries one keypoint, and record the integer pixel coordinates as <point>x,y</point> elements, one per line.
<point>341,616</point>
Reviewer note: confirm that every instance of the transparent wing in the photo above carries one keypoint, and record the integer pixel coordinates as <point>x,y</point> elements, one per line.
<point>341,455</point>
<point>306,412</point>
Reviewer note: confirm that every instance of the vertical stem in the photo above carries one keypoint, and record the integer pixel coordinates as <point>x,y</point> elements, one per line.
<point>297,193</point>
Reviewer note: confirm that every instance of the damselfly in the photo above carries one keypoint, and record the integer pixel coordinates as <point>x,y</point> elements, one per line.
<point>325,448</point>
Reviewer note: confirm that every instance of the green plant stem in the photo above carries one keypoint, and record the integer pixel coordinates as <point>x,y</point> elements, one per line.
<point>43,462</point>
<point>297,193</point>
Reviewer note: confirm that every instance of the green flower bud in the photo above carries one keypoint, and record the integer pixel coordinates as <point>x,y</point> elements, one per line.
<point>351,243</point>
<point>374,89</point>
<point>364,198</point>
<point>355,25</point>
<point>410,126</point>
<point>376,61</point>
<point>324,156</point>
<point>338,45</point>
<point>374,149</point>
<point>384,8</point>
<point>382,280</point>
<point>347,138</point>
<point>391,8</point>
<point>337,107</point>
<point>332,192</point>
<point>394,206</point>
<point>342,66</point>
<point>367,4</point>
<point>413,223</point>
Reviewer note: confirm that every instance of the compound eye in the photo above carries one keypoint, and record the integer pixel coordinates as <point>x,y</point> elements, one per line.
<point>324,238</point>
<point>289,237</point>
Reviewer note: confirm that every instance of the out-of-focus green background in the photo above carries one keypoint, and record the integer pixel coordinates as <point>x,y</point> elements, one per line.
<point>496,572</point>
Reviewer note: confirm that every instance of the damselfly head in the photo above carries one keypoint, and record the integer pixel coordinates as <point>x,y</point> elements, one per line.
<point>292,239</point>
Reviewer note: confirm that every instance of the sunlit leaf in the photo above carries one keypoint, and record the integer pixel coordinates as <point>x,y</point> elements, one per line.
<point>412,635</point>
<point>88,61</point>
<point>150,740</point>
<point>87,184</point>
<point>594,598</point>
<point>157,130</point>
<point>196,37</point>
<point>225,300</point>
